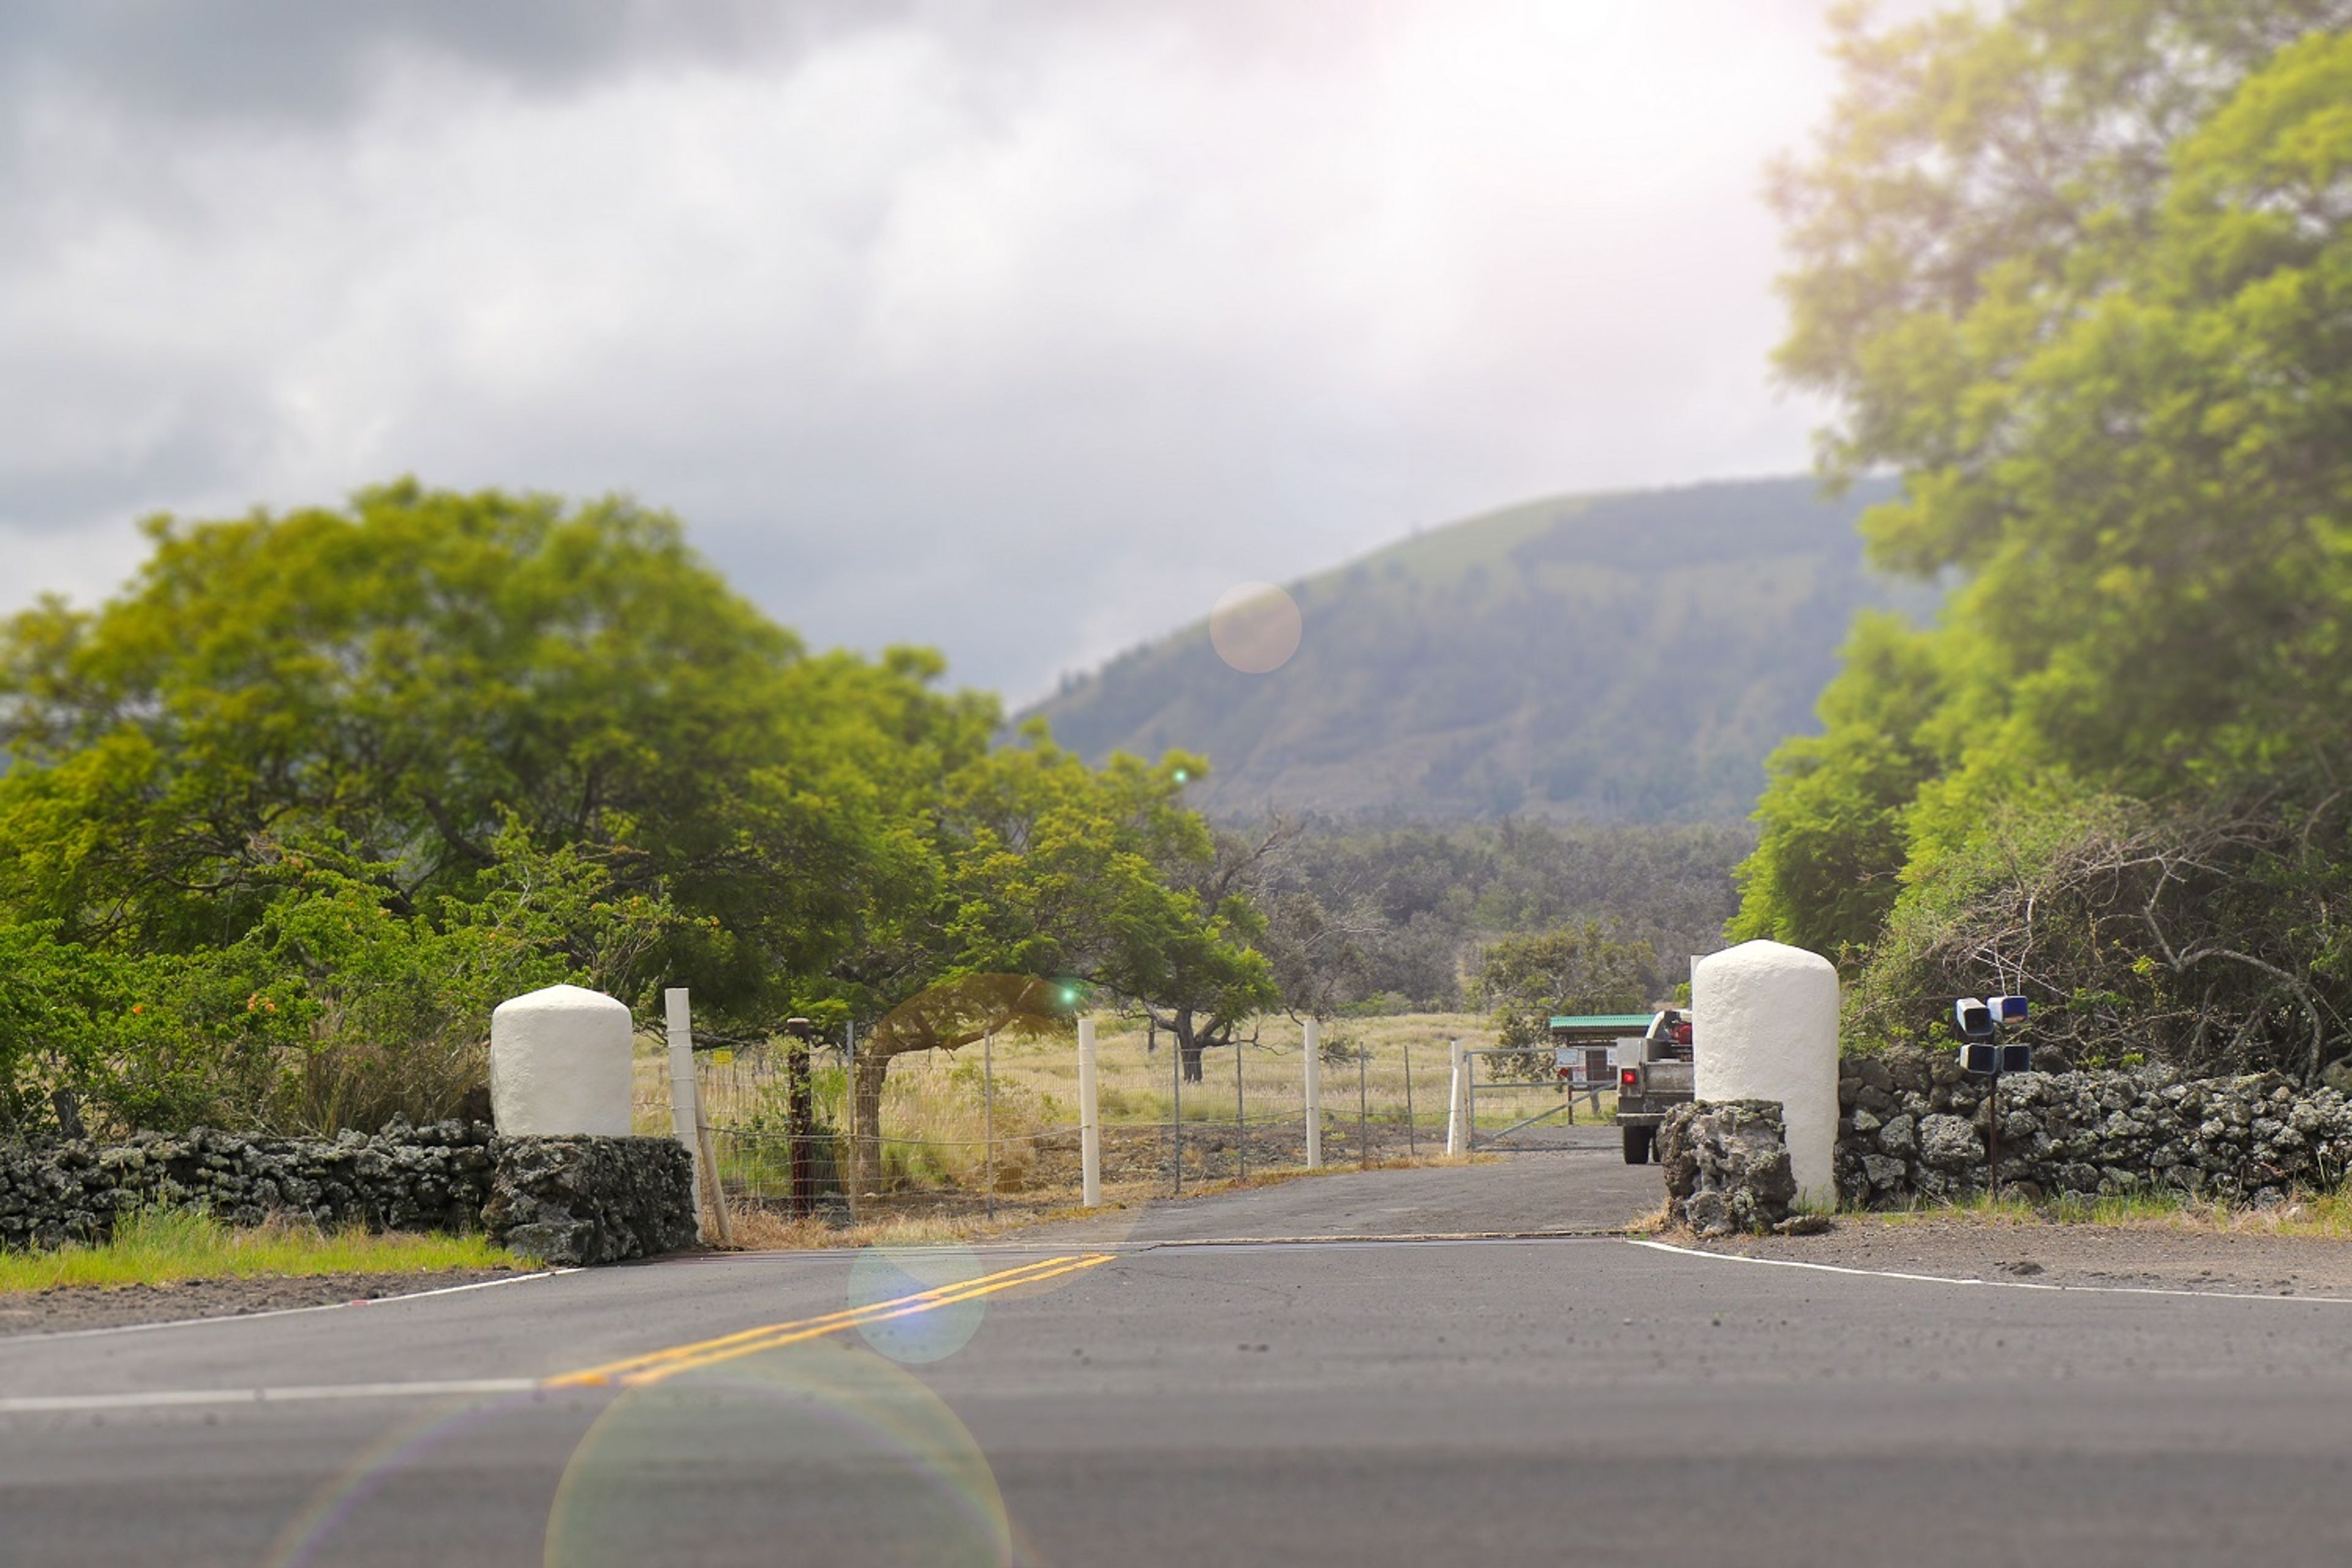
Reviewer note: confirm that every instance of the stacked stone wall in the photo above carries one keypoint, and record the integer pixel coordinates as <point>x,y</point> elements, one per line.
<point>584,1200</point>
<point>594,1200</point>
<point>1912,1125</point>
<point>1726,1166</point>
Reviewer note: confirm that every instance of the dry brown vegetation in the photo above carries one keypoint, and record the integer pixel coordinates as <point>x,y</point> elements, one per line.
<point>939,1182</point>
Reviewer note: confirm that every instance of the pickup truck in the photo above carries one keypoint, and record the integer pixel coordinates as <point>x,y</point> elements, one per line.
<point>1650,1087</point>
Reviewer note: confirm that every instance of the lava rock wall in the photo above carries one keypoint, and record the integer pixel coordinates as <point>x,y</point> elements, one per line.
<point>583,1200</point>
<point>1912,1125</point>
<point>568,1200</point>
<point>1726,1166</point>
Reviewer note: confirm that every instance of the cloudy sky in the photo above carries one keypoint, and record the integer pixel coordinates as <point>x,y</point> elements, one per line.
<point>1025,328</point>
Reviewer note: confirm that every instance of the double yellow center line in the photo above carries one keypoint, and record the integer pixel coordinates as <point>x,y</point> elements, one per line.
<point>654,1365</point>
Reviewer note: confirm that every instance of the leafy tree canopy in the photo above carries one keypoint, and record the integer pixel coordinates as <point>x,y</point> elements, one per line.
<point>371,768</point>
<point>1584,968</point>
<point>2079,269</point>
<point>395,683</point>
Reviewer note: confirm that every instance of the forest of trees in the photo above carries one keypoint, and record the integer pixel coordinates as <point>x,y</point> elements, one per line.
<point>286,818</point>
<point>2080,273</point>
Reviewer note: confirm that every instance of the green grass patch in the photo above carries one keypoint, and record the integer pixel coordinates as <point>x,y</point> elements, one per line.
<point>2303,1214</point>
<point>165,1247</point>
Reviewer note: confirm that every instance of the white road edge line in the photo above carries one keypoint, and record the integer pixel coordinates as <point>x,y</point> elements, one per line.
<point>159,1399</point>
<point>7,1340</point>
<point>1996,1284</point>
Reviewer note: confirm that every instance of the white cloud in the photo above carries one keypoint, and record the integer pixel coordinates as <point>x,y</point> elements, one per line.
<point>1022,331</point>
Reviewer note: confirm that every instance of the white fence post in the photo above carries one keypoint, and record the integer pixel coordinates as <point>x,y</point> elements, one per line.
<point>1089,1119</point>
<point>1314,1095</point>
<point>686,1114</point>
<point>681,1091</point>
<point>1454,1097</point>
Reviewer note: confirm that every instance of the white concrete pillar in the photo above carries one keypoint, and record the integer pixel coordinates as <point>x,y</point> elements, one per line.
<point>559,1064</point>
<point>1314,1071</point>
<point>1764,1024</point>
<point>1455,1124</point>
<point>1089,1119</point>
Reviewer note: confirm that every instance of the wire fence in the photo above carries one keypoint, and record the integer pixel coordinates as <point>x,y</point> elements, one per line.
<point>994,1127</point>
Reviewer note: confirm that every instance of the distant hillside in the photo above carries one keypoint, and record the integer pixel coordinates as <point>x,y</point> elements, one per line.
<point>1625,658</point>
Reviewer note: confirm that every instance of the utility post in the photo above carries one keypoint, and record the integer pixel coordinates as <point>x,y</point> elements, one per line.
<point>1363,1111</point>
<point>1454,1108</point>
<point>1176,1117</point>
<point>1314,1087</point>
<point>800,1115</point>
<point>1089,1119</point>
<point>1241,1117</point>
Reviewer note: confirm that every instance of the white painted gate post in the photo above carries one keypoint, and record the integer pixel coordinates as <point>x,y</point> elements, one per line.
<point>1454,1097</point>
<point>1766,1019</point>
<point>1314,1095</point>
<point>685,1115</point>
<point>1089,1119</point>
<point>681,1090</point>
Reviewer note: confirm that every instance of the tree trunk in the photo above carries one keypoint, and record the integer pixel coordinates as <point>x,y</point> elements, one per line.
<point>866,1126</point>
<point>1188,1047</point>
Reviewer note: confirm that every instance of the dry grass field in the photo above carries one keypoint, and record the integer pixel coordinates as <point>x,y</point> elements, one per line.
<point>942,1168</point>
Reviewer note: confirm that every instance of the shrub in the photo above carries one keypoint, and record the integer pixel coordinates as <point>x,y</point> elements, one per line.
<point>335,1011</point>
<point>2205,936</point>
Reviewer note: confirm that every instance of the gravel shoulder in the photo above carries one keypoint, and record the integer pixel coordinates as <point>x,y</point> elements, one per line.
<point>72,1307</point>
<point>2049,1253</point>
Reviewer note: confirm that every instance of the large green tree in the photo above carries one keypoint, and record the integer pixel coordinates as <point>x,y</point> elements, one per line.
<point>1527,979</point>
<point>363,767</point>
<point>1105,876</point>
<point>396,682</point>
<point>2078,270</point>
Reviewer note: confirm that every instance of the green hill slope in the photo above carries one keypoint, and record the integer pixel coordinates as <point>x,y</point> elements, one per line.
<point>1626,658</point>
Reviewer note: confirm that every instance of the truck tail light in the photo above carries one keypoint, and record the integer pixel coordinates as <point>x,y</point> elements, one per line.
<point>1625,1077</point>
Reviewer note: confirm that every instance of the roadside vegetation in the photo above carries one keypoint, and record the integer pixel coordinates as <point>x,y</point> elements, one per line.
<point>935,1162</point>
<point>2082,276</point>
<point>284,820</point>
<point>2303,1214</point>
<point>167,1247</point>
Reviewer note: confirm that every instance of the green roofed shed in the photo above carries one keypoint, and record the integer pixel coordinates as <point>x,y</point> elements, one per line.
<point>1609,1023</point>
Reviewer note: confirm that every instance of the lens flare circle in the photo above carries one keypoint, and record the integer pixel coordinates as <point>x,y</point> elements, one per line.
<point>809,1443</point>
<point>880,1274</point>
<point>1255,627</point>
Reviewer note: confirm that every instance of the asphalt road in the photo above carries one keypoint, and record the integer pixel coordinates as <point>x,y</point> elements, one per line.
<point>1162,1397</point>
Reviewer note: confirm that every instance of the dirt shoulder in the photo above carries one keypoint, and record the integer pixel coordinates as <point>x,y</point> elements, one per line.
<point>70,1307</point>
<point>2044,1252</point>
